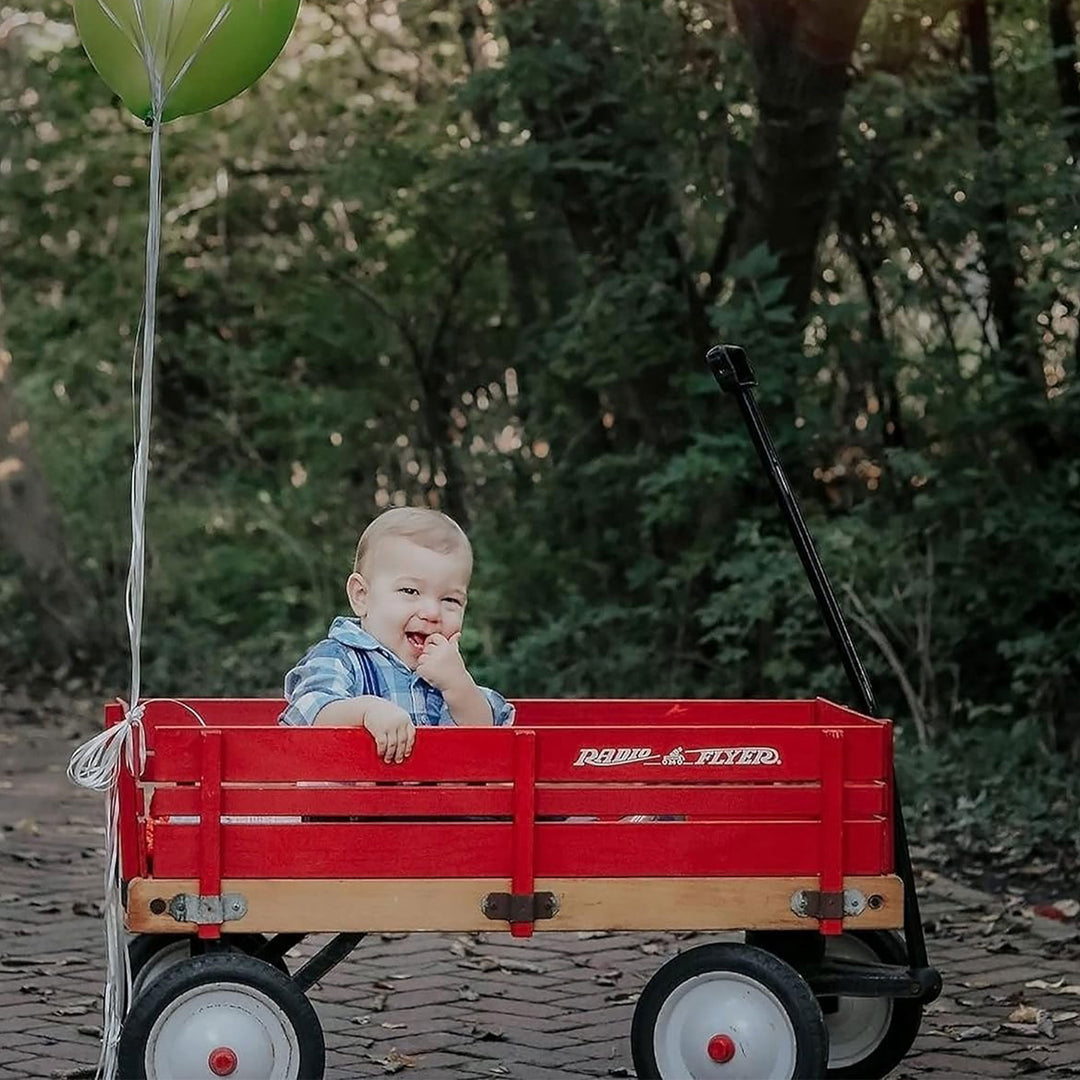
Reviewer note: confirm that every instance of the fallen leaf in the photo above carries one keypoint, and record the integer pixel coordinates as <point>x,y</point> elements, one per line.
<point>395,1061</point>
<point>1069,908</point>
<point>1027,1030</point>
<point>1026,1014</point>
<point>522,965</point>
<point>1027,1065</point>
<point>1050,911</point>
<point>967,1034</point>
<point>1058,987</point>
<point>488,1034</point>
<point>480,963</point>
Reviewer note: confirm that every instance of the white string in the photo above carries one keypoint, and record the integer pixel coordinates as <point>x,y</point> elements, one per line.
<point>96,764</point>
<point>218,19</point>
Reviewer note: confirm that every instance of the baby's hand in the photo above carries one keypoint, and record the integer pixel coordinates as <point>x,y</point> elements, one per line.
<point>440,663</point>
<point>392,728</point>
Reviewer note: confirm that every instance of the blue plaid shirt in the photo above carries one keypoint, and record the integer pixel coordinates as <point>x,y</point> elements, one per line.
<point>350,663</point>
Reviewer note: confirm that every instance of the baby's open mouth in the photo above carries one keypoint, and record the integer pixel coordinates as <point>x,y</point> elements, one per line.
<point>416,640</point>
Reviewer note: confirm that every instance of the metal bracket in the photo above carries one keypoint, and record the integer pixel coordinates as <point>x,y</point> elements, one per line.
<point>520,907</point>
<point>811,904</point>
<point>206,910</point>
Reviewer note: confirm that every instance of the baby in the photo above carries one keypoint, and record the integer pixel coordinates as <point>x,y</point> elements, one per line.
<point>397,665</point>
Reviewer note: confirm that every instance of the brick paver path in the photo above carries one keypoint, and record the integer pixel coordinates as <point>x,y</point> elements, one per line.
<point>486,1005</point>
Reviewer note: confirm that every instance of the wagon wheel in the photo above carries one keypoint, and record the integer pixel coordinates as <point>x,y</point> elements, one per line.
<point>221,1014</point>
<point>152,954</point>
<point>728,1011</point>
<point>868,1037</point>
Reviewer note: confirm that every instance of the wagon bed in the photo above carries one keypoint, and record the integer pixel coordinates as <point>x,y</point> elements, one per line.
<point>783,821</point>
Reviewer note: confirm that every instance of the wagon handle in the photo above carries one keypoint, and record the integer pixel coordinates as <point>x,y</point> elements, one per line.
<point>731,369</point>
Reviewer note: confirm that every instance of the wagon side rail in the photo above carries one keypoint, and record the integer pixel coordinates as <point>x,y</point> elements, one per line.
<point>278,830</point>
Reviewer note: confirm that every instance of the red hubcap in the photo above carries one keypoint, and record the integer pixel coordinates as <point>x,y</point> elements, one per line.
<point>222,1061</point>
<point>721,1049</point>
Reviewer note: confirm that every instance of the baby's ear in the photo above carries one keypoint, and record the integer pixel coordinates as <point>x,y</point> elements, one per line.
<point>357,591</point>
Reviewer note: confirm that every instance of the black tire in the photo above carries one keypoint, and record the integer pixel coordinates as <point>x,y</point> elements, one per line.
<point>741,973</point>
<point>899,1023</point>
<point>144,948</point>
<point>145,1037</point>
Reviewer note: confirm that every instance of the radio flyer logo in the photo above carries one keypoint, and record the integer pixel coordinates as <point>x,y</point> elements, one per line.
<point>610,756</point>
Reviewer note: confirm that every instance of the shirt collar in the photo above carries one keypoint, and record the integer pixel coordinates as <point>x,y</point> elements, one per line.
<point>350,632</point>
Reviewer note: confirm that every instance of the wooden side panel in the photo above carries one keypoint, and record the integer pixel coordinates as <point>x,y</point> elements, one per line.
<point>333,905</point>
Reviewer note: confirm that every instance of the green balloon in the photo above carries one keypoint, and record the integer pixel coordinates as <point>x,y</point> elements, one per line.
<point>203,52</point>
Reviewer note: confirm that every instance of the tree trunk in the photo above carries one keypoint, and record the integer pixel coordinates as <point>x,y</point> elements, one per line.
<point>1063,38</point>
<point>1020,357</point>
<point>615,198</point>
<point>801,50</point>
<point>30,530</point>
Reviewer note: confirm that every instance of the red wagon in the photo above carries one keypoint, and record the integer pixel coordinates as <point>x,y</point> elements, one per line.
<point>775,817</point>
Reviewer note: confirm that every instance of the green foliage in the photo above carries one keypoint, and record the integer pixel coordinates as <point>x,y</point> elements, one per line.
<point>471,258</point>
<point>991,803</point>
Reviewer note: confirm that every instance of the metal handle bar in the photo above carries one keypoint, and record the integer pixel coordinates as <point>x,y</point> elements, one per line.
<point>731,369</point>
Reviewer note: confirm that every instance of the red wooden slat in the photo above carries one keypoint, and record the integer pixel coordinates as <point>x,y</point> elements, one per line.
<point>711,755</point>
<point>539,712</point>
<point>833,747</point>
<point>444,800</point>
<point>460,849</point>
<point>479,849</point>
<point>746,801</point>
<point>524,834</point>
<point>278,755</point>
<point>564,754</point>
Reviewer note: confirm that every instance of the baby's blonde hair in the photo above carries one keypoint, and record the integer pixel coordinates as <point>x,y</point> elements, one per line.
<point>431,529</point>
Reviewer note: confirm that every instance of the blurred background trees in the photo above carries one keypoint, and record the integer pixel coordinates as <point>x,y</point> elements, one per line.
<point>471,254</point>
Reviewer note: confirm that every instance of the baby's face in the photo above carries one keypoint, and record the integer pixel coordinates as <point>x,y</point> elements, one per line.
<point>408,592</point>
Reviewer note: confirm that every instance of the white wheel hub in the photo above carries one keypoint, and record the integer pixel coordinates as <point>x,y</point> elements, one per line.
<point>222,1026</point>
<point>858,1026</point>
<point>724,1025</point>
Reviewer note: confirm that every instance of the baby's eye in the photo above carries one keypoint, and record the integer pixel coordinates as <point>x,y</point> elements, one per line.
<point>452,600</point>
<point>408,591</point>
